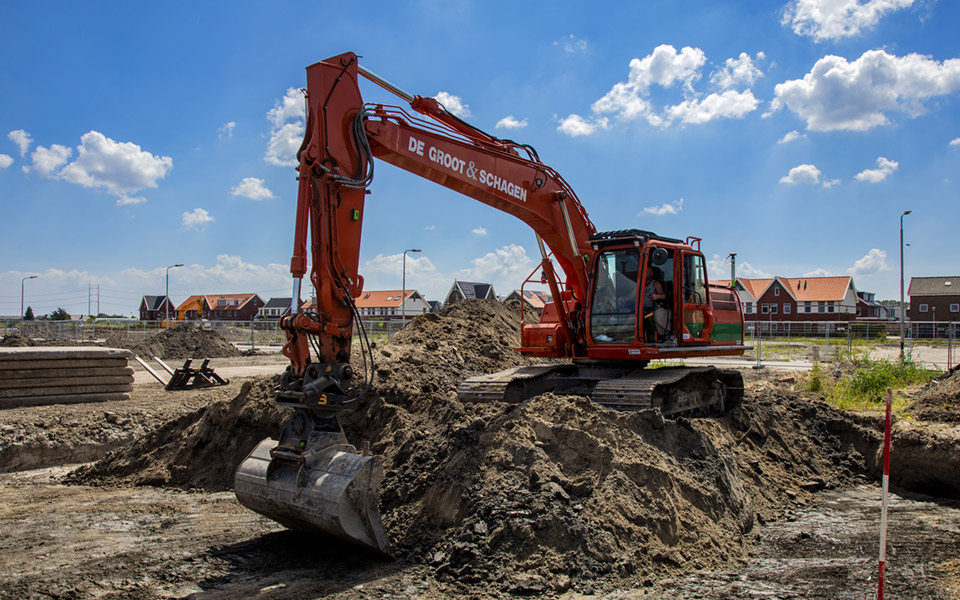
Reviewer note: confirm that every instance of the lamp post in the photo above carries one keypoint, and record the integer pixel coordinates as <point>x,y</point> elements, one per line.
<point>902,310</point>
<point>403,296</point>
<point>21,293</point>
<point>166,298</point>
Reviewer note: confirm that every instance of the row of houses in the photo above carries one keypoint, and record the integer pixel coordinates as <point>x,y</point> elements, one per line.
<point>768,299</point>
<point>385,304</point>
<point>837,299</point>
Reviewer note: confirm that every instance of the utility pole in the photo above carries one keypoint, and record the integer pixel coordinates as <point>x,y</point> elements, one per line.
<point>902,310</point>
<point>733,268</point>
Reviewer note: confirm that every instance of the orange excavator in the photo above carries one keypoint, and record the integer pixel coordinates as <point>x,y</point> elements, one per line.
<point>626,297</point>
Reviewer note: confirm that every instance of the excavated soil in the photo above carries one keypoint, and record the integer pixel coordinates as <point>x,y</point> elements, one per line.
<point>183,341</point>
<point>553,496</point>
<point>940,401</point>
<point>15,340</point>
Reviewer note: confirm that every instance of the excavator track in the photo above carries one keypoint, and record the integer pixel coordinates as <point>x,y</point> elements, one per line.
<point>675,391</point>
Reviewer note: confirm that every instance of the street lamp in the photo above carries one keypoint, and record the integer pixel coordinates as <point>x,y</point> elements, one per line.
<point>902,310</point>
<point>403,296</point>
<point>22,315</point>
<point>166,298</point>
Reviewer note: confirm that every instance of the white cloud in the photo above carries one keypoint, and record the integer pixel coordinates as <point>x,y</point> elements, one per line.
<point>505,268</point>
<point>575,125</point>
<point>386,273</point>
<point>791,136</point>
<point>737,71</point>
<point>836,19</point>
<point>509,122</point>
<point>287,118</point>
<point>829,183</point>
<point>571,44</point>
<point>884,168</point>
<point>730,104</point>
<point>955,142</point>
<point>5,161</point>
<point>802,174</point>
<point>46,161</point>
<point>672,208</point>
<point>22,139</point>
<point>453,104</point>
<point>821,272</point>
<point>130,200</point>
<point>118,167</point>
<point>253,188</point>
<point>226,132</point>
<point>667,68</point>
<point>718,268</point>
<point>480,231</point>
<point>856,96</point>
<point>874,262</point>
<point>196,219</point>
<point>430,228</point>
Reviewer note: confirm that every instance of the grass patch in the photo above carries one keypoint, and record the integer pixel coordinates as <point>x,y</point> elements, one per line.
<point>863,382</point>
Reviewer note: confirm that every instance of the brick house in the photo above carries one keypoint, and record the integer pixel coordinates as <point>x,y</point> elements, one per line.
<point>798,299</point>
<point>221,307</point>
<point>934,299</point>
<point>154,308</point>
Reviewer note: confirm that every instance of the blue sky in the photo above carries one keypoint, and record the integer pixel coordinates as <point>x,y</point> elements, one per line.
<point>133,137</point>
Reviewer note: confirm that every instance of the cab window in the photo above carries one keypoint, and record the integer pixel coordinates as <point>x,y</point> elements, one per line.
<point>613,307</point>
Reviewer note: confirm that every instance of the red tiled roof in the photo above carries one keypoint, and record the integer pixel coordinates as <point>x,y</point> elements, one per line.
<point>384,298</point>
<point>803,289</point>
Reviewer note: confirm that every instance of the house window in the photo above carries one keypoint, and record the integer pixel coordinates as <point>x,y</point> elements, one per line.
<point>776,291</point>
<point>807,307</point>
<point>924,308</point>
<point>858,310</point>
<point>773,308</point>
<point>831,306</point>
<point>764,308</point>
<point>748,307</point>
<point>787,309</point>
<point>955,308</point>
<point>821,307</point>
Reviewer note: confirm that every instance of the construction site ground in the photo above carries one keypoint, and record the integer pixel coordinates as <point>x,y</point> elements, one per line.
<point>778,498</point>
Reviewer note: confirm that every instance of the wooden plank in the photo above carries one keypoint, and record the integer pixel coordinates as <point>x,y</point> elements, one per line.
<point>29,383</point>
<point>65,372</point>
<point>65,390</point>
<point>63,399</point>
<point>78,363</point>
<point>62,352</point>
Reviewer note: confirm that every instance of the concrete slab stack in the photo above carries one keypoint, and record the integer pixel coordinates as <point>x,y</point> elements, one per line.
<point>58,375</point>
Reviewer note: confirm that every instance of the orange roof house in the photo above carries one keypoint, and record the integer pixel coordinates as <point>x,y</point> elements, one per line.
<point>798,298</point>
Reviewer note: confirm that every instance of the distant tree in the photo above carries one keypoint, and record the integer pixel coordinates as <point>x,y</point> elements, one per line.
<point>28,316</point>
<point>59,315</point>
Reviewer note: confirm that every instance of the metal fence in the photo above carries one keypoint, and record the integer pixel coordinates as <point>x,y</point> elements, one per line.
<point>244,334</point>
<point>931,344</point>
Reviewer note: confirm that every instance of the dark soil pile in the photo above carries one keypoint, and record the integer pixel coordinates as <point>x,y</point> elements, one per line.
<point>201,449</point>
<point>184,341</point>
<point>551,495</point>
<point>15,340</point>
<point>940,401</point>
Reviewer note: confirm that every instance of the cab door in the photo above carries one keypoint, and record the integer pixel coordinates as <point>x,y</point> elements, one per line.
<point>696,317</point>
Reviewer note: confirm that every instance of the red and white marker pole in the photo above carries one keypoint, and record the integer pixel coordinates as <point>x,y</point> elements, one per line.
<point>886,487</point>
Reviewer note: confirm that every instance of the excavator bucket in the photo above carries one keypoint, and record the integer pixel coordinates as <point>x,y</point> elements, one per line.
<point>328,489</point>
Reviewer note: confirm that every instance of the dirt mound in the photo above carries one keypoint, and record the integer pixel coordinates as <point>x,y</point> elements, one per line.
<point>184,341</point>
<point>201,449</point>
<point>940,401</point>
<point>553,494</point>
<point>15,340</point>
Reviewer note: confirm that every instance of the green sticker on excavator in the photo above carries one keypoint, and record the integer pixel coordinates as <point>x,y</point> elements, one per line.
<point>356,214</point>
